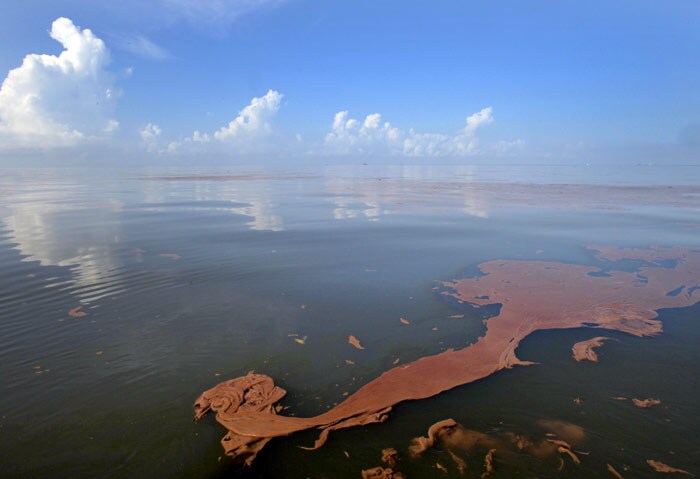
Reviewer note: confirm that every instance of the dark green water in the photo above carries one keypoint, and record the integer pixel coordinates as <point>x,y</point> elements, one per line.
<point>321,254</point>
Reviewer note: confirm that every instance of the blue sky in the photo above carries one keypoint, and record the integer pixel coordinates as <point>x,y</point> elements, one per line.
<point>562,80</point>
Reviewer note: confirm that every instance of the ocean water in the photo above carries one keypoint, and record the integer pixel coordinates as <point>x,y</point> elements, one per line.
<point>190,277</point>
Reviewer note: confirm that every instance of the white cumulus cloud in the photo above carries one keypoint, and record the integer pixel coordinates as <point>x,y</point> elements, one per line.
<point>349,135</point>
<point>253,120</point>
<point>478,119</point>
<point>112,126</point>
<point>51,100</point>
<point>150,132</point>
<point>245,132</point>
<point>376,137</point>
<point>150,135</point>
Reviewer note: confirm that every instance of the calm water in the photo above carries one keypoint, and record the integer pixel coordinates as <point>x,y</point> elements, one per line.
<point>254,256</point>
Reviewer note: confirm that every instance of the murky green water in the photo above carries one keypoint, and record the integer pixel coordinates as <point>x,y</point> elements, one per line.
<point>322,254</point>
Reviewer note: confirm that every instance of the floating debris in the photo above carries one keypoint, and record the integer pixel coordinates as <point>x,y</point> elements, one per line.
<point>559,442</point>
<point>452,436</point>
<point>614,472</point>
<point>76,312</point>
<point>440,467</point>
<point>488,463</point>
<point>381,473</point>
<point>570,453</point>
<point>355,342</point>
<point>459,462</point>
<point>661,467</point>
<point>390,456</point>
<point>523,289</point>
<point>171,256</point>
<point>421,444</point>
<point>404,321</point>
<point>456,316</point>
<point>583,350</point>
<point>646,402</point>
<point>571,433</point>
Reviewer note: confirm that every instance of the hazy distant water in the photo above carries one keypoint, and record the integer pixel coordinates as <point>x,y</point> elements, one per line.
<point>254,256</point>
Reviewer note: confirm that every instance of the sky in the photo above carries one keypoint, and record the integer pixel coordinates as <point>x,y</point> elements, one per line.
<point>300,81</point>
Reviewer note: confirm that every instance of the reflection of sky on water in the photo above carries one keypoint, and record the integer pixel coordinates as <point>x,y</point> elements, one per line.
<point>358,192</point>
<point>474,205</point>
<point>369,192</point>
<point>248,198</point>
<point>53,220</point>
<point>50,219</point>
<point>54,223</point>
<point>253,250</point>
<point>261,209</point>
<point>51,226</point>
<point>345,209</point>
<point>252,198</point>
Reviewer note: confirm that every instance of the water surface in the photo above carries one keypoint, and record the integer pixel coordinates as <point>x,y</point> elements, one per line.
<point>192,277</point>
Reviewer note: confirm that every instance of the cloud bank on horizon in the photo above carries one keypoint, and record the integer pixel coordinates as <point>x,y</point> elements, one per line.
<point>281,79</point>
<point>372,136</point>
<point>68,100</point>
<point>248,132</point>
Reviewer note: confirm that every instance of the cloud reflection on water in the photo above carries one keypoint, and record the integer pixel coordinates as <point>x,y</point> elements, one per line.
<point>77,225</point>
<point>367,193</point>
